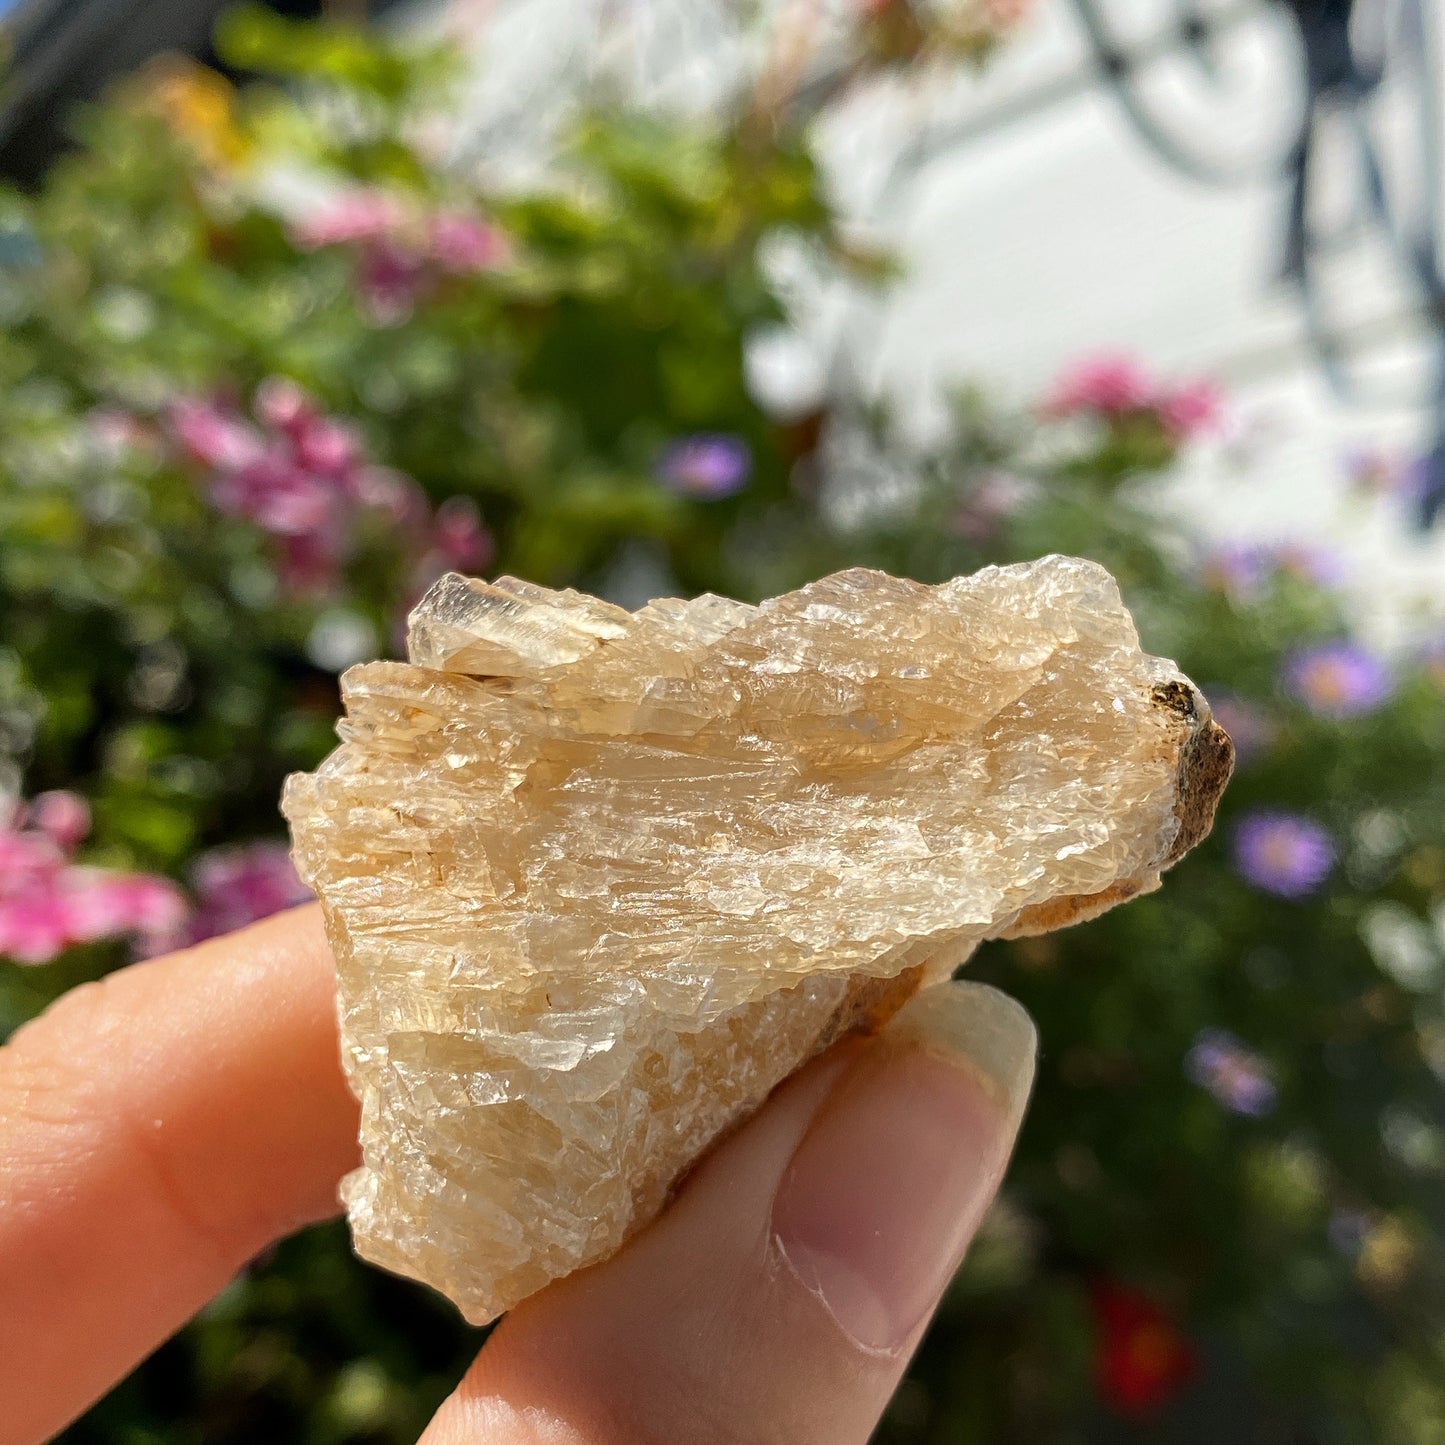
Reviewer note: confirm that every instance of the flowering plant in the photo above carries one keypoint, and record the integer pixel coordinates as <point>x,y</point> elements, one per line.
<point>244,418</point>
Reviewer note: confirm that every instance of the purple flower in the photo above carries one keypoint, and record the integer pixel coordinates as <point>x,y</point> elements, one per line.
<point>1338,679</point>
<point>1310,562</point>
<point>1250,728</point>
<point>1379,471</point>
<point>1242,570</point>
<point>1237,1076</point>
<point>1236,569</point>
<point>1287,854</point>
<point>709,464</point>
<point>237,885</point>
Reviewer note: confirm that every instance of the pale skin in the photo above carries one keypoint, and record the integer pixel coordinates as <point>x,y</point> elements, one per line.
<point>160,1128</point>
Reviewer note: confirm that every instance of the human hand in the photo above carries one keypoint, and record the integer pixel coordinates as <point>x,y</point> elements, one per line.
<point>159,1128</point>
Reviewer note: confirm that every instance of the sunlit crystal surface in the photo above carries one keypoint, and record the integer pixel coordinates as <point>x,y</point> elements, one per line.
<point>597,880</point>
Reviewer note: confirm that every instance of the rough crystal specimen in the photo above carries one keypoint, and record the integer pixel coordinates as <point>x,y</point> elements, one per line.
<point>597,880</point>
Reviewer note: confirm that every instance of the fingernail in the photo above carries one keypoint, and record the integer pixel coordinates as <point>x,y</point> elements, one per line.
<point>898,1167</point>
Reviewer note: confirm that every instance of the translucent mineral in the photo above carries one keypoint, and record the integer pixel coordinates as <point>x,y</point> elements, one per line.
<point>597,880</point>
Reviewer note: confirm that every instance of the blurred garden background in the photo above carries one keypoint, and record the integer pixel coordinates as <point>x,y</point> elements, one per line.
<point>654,299</point>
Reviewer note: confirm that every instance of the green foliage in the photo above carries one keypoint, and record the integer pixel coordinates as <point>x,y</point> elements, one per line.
<point>162,654</point>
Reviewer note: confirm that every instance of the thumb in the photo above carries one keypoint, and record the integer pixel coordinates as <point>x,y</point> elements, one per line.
<point>780,1296</point>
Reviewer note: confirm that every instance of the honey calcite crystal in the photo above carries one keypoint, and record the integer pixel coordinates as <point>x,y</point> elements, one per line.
<point>597,880</point>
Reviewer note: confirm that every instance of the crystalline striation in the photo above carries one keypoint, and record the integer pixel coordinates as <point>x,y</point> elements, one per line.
<point>596,881</point>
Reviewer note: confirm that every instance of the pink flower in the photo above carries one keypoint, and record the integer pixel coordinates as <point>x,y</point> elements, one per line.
<point>115,431</point>
<point>394,494</point>
<point>61,815</point>
<point>309,565</point>
<point>26,857</point>
<point>282,405</point>
<point>238,885</point>
<point>358,215</point>
<point>34,927</point>
<point>325,445</point>
<point>100,904</point>
<point>1111,384</point>
<point>47,903</point>
<point>460,537</point>
<point>215,437</point>
<point>461,243</point>
<point>302,476</point>
<point>1115,386</point>
<point>391,278</point>
<point>1191,410</point>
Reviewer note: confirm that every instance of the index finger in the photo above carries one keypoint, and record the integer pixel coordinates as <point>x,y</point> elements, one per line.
<point>158,1129</point>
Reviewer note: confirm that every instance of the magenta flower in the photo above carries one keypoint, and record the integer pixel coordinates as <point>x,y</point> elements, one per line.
<point>401,248</point>
<point>460,537</point>
<point>214,436</point>
<point>356,215</point>
<point>1250,728</point>
<point>237,885</point>
<point>1287,854</point>
<point>302,476</point>
<point>707,465</point>
<point>1191,410</point>
<point>102,904</point>
<point>1110,384</point>
<point>1115,386</point>
<point>462,243</point>
<point>394,496</point>
<point>1237,1076</point>
<point>282,405</point>
<point>47,903</point>
<point>25,856</point>
<point>62,816</point>
<point>34,928</point>
<point>391,279</point>
<point>1338,679</point>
